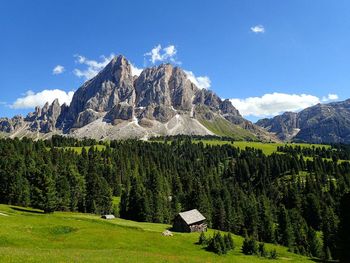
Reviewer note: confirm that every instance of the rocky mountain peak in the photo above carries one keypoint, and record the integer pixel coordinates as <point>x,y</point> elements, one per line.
<point>161,100</point>
<point>114,84</point>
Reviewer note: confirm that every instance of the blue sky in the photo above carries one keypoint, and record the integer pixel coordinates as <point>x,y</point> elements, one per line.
<point>268,56</point>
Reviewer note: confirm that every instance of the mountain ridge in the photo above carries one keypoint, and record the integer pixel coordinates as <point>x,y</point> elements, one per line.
<point>321,123</point>
<point>116,104</point>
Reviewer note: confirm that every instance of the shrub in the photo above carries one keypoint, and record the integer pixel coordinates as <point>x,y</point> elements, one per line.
<point>261,250</point>
<point>249,246</point>
<point>220,244</point>
<point>202,239</point>
<point>229,241</point>
<point>273,254</point>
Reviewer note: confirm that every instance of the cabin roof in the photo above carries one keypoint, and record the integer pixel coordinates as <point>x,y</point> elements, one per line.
<point>108,216</point>
<point>192,216</point>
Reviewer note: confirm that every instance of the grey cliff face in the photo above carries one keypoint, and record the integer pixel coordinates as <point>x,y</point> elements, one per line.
<point>122,111</point>
<point>11,125</point>
<point>112,85</point>
<point>285,125</point>
<point>44,120</point>
<point>322,123</point>
<point>164,85</point>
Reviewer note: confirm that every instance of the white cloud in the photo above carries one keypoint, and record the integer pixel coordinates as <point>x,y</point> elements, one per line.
<point>330,97</point>
<point>258,29</point>
<point>135,70</point>
<point>159,54</point>
<point>31,99</point>
<point>274,104</point>
<point>93,66</point>
<point>202,82</point>
<point>58,70</point>
<point>170,50</point>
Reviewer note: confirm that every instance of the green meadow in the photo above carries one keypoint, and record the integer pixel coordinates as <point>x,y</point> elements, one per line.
<point>27,235</point>
<point>267,148</point>
<point>78,150</point>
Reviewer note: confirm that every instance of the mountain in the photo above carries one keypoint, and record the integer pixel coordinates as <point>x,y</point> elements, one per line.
<point>115,104</point>
<point>322,123</point>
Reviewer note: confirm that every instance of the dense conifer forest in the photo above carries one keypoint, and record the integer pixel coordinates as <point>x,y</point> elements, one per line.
<point>298,202</point>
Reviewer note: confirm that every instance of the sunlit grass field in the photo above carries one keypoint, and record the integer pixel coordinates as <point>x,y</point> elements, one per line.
<point>78,150</point>
<point>27,235</point>
<point>267,148</point>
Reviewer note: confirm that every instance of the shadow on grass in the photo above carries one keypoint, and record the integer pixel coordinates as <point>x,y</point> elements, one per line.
<point>26,210</point>
<point>323,261</point>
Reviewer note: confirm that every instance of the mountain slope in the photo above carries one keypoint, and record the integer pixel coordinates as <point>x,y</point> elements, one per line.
<point>117,105</point>
<point>322,123</point>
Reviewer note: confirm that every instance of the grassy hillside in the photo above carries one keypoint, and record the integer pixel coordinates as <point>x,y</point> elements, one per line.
<point>223,127</point>
<point>267,148</point>
<point>220,126</point>
<point>27,235</point>
<point>79,149</point>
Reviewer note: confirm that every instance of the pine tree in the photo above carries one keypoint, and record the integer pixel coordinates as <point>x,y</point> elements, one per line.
<point>313,211</point>
<point>49,201</point>
<point>315,245</point>
<point>285,230</point>
<point>329,231</point>
<point>344,229</point>
<point>266,226</point>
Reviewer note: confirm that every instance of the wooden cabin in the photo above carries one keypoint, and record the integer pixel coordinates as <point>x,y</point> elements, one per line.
<point>190,221</point>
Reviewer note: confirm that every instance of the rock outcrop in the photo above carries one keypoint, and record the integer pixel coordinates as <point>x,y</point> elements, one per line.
<point>11,125</point>
<point>45,119</point>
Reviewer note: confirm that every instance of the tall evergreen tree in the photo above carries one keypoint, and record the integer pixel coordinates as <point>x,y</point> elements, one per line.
<point>285,231</point>
<point>344,229</point>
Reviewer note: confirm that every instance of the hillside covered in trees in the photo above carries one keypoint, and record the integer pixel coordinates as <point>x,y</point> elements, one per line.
<point>279,198</point>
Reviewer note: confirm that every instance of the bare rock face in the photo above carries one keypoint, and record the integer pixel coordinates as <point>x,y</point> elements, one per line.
<point>11,125</point>
<point>122,111</point>
<point>44,120</point>
<point>322,123</point>
<point>163,90</point>
<point>114,84</point>
<point>285,125</point>
<point>85,117</point>
<point>163,113</point>
<point>208,98</point>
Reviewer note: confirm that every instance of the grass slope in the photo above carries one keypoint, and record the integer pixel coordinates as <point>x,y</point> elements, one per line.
<point>267,148</point>
<point>27,235</point>
<point>222,127</point>
<point>78,150</point>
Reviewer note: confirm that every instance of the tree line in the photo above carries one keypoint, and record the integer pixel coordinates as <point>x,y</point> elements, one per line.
<point>279,198</point>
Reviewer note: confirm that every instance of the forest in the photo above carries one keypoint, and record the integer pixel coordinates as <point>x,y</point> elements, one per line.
<point>283,198</point>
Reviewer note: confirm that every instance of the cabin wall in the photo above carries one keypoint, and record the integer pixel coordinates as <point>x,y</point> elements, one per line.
<point>180,225</point>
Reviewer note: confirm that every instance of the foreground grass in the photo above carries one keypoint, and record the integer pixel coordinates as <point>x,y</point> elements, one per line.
<point>27,235</point>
